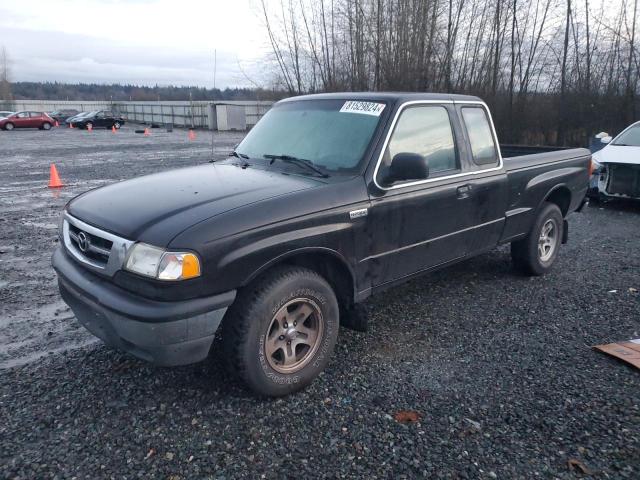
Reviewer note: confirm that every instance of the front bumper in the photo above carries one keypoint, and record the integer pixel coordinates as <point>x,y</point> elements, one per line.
<point>164,333</point>
<point>616,180</point>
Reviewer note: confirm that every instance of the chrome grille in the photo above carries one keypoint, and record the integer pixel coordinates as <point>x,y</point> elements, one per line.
<point>92,246</point>
<point>98,250</point>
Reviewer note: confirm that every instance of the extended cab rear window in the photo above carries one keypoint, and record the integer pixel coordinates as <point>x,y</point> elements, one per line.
<point>483,147</point>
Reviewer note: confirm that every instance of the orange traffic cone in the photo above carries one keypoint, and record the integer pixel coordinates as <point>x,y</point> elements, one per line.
<point>54,178</point>
<point>89,128</point>
<point>71,125</point>
<point>57,124</point>
<point>146,132</point>
<point>113,129</point>
<point>192,135</point>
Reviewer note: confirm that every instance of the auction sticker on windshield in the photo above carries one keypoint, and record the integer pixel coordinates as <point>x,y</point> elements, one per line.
<point>367,108</point>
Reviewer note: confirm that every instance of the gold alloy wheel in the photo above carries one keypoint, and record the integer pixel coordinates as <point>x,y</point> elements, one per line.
<point>294,335</point>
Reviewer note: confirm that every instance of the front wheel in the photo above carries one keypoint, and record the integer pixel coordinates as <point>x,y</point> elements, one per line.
<point>536,253</point>
<point>117,125</point>
<point>280,333</point>
<point>8,126</point>
<point>46,126</point>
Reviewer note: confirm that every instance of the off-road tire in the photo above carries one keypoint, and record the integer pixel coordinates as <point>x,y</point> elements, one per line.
<point>246,329</point>
<point>525,253</point>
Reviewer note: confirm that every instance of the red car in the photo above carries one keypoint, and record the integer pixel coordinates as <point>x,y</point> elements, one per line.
<point>27,120</point>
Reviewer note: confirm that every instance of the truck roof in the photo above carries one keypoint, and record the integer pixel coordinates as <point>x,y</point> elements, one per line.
<point>386,96</point>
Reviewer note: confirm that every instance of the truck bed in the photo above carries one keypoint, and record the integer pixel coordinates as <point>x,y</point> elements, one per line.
<point>511,150</point>
<point>524,157</point>
<point>532,176</point>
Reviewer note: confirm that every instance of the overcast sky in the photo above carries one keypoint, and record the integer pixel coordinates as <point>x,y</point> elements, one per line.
<point>134,41</point>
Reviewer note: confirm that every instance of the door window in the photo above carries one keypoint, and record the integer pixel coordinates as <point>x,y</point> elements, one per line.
<point>427,131</point>
<point>483,146</point>
<point>23,115</point>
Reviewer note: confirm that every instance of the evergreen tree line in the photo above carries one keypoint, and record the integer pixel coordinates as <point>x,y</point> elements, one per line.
<point>116,92</point>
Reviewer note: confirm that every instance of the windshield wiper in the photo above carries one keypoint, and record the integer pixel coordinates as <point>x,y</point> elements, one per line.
<point>233,153</point>
<point>301,162</point>
<point>238,154</point>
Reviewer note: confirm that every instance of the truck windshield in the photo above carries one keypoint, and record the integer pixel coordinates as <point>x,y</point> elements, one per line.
<point>630,138</point>
<point>333,135</point>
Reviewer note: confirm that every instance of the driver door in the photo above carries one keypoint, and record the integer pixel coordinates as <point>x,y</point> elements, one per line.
<point>21,120</point>
<point>420,224</point>
<point>99,120</point>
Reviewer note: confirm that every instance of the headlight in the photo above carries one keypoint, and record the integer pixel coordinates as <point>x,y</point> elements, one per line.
<point>596,165</point>
<point>157,263</point>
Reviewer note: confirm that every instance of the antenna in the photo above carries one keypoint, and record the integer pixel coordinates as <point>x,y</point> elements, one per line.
<point>215,64</point>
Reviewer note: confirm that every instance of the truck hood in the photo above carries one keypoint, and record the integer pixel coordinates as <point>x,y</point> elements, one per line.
<point>155,208</point>
<point>618,154</point>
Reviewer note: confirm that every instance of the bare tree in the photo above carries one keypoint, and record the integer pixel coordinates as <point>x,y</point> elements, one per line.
<point>631,81</point>
<point>563,79</point>
<point>5,77</point>
<point>533,60</point>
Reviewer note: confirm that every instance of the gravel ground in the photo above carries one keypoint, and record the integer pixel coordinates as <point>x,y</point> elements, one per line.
<point>29,214</point>
<point>497,366</point>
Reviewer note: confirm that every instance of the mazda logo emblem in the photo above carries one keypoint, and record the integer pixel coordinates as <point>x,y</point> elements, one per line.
<point>83,242</point>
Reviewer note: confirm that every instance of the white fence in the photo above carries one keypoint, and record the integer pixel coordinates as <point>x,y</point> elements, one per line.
<point>212,115</point>
<point>185,114</point>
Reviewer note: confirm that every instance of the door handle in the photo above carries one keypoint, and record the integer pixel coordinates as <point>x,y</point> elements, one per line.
<point>464,191</point>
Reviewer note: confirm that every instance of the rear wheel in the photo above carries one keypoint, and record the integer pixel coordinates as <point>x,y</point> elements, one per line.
<point>536,253</point>
<point>8,126</point>
<point>280,332</point>
<point>89,126</point>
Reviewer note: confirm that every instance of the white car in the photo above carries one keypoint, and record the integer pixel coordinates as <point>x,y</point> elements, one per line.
<point>617,166</point>
<point>5,113</point>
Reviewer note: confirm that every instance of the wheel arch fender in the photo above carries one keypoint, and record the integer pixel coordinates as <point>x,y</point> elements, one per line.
<point>551,186</point>
<point>540,190</point>
<point>559,195</point>
<point>329,263</point>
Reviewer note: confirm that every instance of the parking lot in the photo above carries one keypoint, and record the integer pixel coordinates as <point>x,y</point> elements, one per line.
<point>498,366</point>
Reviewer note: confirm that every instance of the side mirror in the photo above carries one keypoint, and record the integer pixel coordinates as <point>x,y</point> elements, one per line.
<point>408,166</point>
<point>606,140</point>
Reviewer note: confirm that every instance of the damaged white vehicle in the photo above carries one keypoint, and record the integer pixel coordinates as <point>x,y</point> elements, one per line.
<point>617,166</point>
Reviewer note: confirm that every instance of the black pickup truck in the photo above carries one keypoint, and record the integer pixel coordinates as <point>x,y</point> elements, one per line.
<point>328,199</point>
